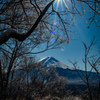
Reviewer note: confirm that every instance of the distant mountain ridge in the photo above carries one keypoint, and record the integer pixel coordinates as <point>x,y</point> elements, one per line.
<point>67,71</point>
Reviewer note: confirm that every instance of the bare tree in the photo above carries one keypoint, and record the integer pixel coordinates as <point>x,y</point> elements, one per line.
<point>35,80</point>
<point>20,15</point>
<point>87,77</point>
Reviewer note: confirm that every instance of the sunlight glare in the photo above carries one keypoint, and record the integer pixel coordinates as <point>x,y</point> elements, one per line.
<point>59,0</point>
<point>55,23</point>
<point>65,4</point>
<point>62,49</point>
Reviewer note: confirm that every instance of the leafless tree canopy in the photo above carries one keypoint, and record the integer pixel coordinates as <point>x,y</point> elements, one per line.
<point>92,61</point>
<point>20,19</point>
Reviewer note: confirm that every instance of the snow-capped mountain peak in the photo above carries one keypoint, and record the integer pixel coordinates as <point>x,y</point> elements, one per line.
<point>51,61</point>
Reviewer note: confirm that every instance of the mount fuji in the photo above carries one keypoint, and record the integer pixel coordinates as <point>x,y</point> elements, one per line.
<point>67,71</point>
<point>51,61</point>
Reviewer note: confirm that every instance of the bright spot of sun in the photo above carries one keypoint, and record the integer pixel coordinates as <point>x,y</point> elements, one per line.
<point>59,0</point>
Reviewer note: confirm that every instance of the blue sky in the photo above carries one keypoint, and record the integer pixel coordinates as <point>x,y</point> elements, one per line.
<point>74,51</point>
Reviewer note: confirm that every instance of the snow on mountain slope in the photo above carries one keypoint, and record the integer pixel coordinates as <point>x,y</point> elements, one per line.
<point>51,61</point>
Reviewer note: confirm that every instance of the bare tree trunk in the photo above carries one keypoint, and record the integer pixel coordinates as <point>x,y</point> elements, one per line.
<point>89,90</point>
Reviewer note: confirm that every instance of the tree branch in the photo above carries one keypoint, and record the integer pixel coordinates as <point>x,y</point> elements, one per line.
<point>4,37</point>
